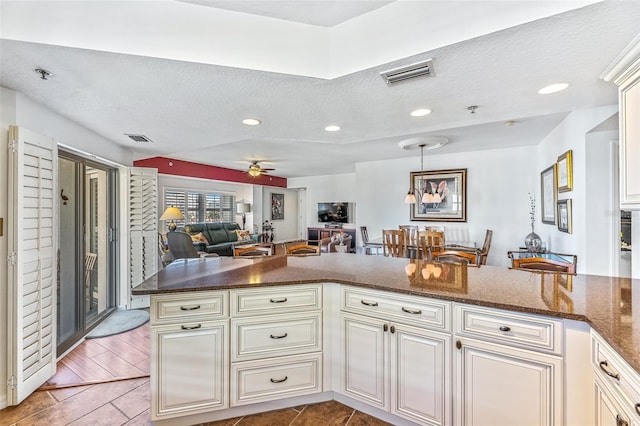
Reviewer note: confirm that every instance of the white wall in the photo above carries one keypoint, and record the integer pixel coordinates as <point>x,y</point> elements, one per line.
<point>287,228</point>
<point>497,185</point>
<point>326,188</point>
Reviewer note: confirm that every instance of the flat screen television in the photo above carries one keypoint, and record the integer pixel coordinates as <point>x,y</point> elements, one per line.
<point>337,211</point>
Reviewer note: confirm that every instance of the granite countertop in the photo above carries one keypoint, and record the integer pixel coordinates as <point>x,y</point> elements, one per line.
<point>606,303</point>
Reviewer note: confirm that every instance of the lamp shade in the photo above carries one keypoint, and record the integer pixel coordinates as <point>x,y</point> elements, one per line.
<point>243,208</point>
<point>172,213</point>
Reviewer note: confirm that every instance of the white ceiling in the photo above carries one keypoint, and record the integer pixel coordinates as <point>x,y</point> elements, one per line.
<point>192,110</point>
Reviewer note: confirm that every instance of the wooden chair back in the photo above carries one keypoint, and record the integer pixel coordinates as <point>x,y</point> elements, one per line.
<point>393,242</point>
<point>302,249</point>
<point>410,235</point>
<point>543,264</point>
<point>433,239</point>
<point>484,252</point>
<point>252,251</point>
<point>457,256</point>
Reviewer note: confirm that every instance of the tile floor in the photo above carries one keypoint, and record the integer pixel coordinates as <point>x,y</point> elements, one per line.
<point>125,401</point>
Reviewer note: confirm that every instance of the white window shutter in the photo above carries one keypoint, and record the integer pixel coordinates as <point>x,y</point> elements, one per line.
<point>32,267</point>
<point>143,232</point>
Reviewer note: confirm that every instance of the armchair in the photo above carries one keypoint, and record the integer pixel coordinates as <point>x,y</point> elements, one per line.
<point>328,246</point>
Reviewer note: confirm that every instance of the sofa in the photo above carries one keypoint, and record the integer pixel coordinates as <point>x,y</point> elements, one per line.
<point>217,237</point>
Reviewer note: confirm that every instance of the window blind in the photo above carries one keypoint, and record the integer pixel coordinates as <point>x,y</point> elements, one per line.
<point>201,206</point>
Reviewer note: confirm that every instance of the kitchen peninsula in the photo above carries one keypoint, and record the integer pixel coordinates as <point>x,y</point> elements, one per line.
<point>402,339</point>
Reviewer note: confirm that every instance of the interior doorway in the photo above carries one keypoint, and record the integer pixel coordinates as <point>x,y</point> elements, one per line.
<point>86,255</point>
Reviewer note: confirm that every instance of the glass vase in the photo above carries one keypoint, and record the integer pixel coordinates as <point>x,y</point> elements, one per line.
<point>533,242</point>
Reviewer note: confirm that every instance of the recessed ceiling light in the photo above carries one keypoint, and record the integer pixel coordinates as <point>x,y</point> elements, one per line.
<point>332,128</point>
<point>251,121</point>
<point>420,112</point>
<point>553,88</point>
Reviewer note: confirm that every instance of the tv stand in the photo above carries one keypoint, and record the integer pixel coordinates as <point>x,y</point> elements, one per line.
<point>314,235</point>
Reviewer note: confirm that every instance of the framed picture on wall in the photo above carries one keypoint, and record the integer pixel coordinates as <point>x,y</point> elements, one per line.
<point>564,216</point>
<point>565,172</point>
<point>441,195</point>
<point>277,206</point>
<point>548,184</point>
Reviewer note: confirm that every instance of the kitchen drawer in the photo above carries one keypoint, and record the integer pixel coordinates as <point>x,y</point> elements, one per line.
<point>416,310</point>
<point>614,371</point>
<point>283,377</point>
<point>275,335</point>
<point>521,330</point>
<point>200,306</point>
<point>275,300</point>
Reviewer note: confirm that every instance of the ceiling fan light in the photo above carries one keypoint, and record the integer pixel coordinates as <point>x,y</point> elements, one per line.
<point>254,172</point>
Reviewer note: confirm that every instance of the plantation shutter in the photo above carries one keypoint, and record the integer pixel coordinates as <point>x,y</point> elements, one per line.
<point>32,261</point>
<point>143,232</point>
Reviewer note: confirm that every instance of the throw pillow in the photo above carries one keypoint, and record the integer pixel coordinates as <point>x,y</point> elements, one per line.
<point>199,238</point>
<point>243,236</point>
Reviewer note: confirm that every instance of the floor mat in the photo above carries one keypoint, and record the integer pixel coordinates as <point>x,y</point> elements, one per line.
<point>119,322</point>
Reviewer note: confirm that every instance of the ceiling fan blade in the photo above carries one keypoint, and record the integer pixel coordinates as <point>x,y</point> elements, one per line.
<point>266,170</point>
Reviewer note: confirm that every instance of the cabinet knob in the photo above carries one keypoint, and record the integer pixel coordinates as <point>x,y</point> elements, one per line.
<point>604,364</point>
<point>393,329</point>
<point>385,328</point>
<point>620,421</point>
<point>505,328</point>
<point>458,344</point>
<point>637,407</point>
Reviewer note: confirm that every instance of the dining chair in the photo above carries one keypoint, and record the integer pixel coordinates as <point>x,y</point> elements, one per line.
<point>252,251</point>
<point>393,243</point>
<point>302,249</point>
<point>411,242</point>
<point>484,252</point>
<point>433,239</point>
<point>457,256</point>
<point>543,264</point>
<point>368,248</point>
<point>181,246</point>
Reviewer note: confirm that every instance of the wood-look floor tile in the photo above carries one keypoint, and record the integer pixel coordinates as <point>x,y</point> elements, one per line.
<point>324,413</point>
<point>64,376</point>
<point>270,418</point>
<point>90,348</point>
<point>65,393</point>
<point>124,350</point>
<point>144,366</point>
<point>142,419</point>
<point>37,402</point>
<point>139,338</point>
<point>79,405</point>
<point>107,415</point>
<point>361,419</point>
<point>85,367</point>
<point>135,402</point>
<point>226,422</point>
<point>117,366</point>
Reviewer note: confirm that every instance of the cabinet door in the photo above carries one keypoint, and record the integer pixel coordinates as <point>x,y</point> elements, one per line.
<point>608,411</point>
<point>630,143</point>
<point>421,375</point>
<point>365,360</point>
<point>189,369</point>
<point>500,385</point>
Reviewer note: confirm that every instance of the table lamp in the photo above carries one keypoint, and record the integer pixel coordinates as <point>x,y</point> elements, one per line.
<point>172,213</point>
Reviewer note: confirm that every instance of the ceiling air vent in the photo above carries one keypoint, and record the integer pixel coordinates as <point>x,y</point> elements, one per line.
<point>419,69</point>
<point>139,138</point>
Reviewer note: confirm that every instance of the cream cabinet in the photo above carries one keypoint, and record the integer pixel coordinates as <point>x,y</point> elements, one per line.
<point>276,343</point>
<point>616,386</point>
<point>498,381</point>
<point>625,72</point>
<point>392,365</point>
<point>190,354</point>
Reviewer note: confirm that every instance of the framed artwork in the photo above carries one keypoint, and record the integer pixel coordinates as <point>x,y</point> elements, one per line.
<point>441,195</point>
<point>548,183</point>
<point>565,171</point>
<point>277,206</point>
<point>564,216</point>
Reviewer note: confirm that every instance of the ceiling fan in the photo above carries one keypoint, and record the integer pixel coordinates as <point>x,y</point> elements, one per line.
<point>255,170</point>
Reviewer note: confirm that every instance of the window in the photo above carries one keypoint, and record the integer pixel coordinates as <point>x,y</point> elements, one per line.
<point>201,206</point>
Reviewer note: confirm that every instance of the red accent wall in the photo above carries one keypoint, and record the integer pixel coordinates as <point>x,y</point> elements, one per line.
<point>197,170</point>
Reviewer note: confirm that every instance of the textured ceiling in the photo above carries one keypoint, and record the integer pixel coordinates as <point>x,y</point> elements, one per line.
<point>193,111</point>
<point>325,13</point>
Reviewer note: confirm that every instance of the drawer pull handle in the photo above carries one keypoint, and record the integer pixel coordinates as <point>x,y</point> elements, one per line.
<point>184,327</point>
<point>604,364</point>
<point>411,311</point>
<point>279,337</point>
<point>620,421</point>
<point>505,328</point>
<point>279,380</point>
<point>284,299</point>
<point>364,302</point>
<point>189,308</point>
<point>637,408</point>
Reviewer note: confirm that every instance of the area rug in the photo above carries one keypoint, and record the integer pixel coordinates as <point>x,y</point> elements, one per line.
<point>119,322</point>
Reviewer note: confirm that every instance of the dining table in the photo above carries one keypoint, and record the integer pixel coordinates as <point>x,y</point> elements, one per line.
<point>413,249</point>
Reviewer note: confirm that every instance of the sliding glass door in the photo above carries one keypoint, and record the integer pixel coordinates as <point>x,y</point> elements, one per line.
<point>87,261</point>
